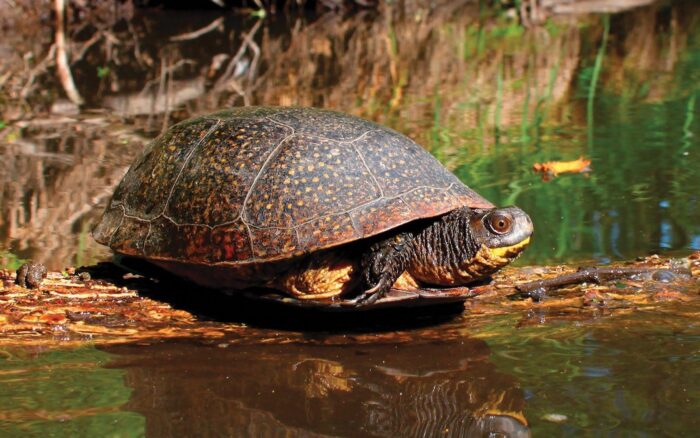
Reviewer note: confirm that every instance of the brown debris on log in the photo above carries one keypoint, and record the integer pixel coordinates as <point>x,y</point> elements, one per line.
<point>654,285</point>
<point>67,310</point>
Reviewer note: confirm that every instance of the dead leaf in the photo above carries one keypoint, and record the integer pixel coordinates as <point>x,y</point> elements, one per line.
<point>551,169</point>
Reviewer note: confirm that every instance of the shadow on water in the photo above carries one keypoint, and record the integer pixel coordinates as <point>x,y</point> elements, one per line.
<point>209,304</point>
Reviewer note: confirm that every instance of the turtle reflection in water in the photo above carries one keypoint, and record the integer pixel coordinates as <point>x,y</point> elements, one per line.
<point>402,386</point>
<point>329,209</point>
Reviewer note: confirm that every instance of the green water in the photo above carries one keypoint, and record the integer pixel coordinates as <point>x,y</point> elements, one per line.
<point>640,198</point>
<point>641,380</point>
<point>64,393</point>
<point>486,96</point>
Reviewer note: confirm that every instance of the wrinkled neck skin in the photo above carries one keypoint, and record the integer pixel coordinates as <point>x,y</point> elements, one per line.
<point>448,253</point>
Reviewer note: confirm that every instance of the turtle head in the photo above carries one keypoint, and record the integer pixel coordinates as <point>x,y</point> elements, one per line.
<point>505,232</point>
<point>468,245</point>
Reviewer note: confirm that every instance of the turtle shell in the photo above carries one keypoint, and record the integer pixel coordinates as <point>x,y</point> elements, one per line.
<point>258,184</point>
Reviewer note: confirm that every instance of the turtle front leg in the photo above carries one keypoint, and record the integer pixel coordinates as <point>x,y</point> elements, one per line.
<point>382,265</point>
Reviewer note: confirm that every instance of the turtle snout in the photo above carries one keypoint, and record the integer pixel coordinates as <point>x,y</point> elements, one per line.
<point>521,219</point>
<point>528,225</point>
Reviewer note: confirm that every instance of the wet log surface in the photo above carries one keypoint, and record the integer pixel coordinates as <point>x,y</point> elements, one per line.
<point>104,304</point>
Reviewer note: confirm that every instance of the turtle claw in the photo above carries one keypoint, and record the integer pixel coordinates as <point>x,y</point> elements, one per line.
<point>367,297</point>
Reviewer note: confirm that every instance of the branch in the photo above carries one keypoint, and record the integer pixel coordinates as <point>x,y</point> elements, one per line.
<point>77,56</point>
<point>247,43</point>
<point>214,25</point>
<point>62,64</point>
<point>590,275</point>
<point>37,70</point>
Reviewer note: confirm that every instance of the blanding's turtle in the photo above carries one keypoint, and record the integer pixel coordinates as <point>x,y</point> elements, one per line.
<point>323,208</point>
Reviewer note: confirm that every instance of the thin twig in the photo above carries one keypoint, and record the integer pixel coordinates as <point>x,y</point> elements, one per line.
<point>37,70</point>
<point>168,91</point>
<point>137,46</point>
<point>78,55</point>
<point>214,25</point>
<point>252,68</point>
<point>169,70</point>
<point>247,43</point>
<point>161,90</point>
<point>4,78</point>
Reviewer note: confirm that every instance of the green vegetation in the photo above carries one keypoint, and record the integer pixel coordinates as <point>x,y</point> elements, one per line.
<point>102,72</point>
<point>10,261</point>
<point>594,78</point>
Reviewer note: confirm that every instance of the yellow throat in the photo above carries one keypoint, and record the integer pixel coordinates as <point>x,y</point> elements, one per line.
<point>509,251</point>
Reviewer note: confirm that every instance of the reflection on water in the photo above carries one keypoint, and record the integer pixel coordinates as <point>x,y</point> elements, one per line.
<point>395,389</point>
<point>63,393</point>
<point>628,373</point>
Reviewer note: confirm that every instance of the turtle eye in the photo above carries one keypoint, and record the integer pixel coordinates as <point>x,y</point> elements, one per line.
<point>499,223</point>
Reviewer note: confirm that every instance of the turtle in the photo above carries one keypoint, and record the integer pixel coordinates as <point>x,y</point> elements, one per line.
<point>308,206</point>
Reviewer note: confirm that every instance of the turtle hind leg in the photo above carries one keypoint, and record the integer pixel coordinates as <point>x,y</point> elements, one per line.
<point>324,275</point>
<point>382,265</point>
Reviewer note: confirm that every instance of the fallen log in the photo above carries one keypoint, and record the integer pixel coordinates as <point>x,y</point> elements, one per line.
<point>103,304</point>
